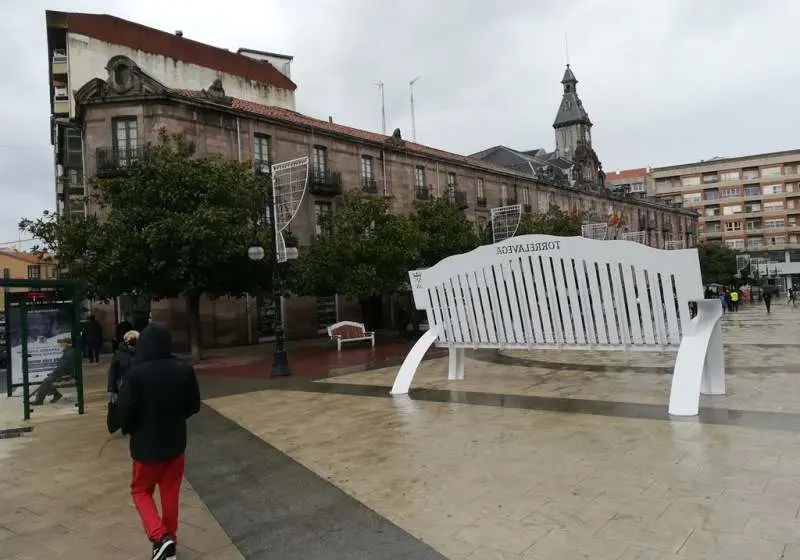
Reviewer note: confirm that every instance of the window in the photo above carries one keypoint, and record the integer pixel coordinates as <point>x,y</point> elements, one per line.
<point>6,273</point>
<point>733,226</point>
<point>692,198</point>
<point>690,181</point>
<point>752,190</point>
<point>367,168</point>
<point>773,189</point>
<point>753,225</point>
<point>775,223</point>
<point>261,152</point>
<point>319,160</point>
<point>419,177</point>
<point>712,211</point>
<point>755,243</point>
<point>794,256</point>
<point>125,135</point>
<point>750,173</point>
<point>503,193</point>
<point>710,177</point>
<point>711,194</point>
<point>731,210</point>
<point>773,206</point>
<point>34,272</point>
<point>730,192</point>
<point>735,243</point>
<point>74,151</point>
<point>727,176</point>
<point>637,187</point>
<point>774,171</point>
<point>750,208</point>
<point>479,188</point>
<point>322,208</point>
<point>779,240</point>
<point>451,181</point>
<point>526,197</point>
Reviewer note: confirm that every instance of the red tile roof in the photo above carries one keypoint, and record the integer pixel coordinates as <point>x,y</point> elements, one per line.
<point>298,119</point>
<point>119,31</point>
<point>26,257</point>
<point>627,174</point>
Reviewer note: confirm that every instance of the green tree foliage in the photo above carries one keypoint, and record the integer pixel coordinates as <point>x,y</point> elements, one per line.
<point>365,251</point>
<point>553,222</point>
<point>445,229</point>
<point>717,264</point>
<point>173,225</point>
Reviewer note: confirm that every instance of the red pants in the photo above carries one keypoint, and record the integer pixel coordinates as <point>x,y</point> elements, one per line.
<point>167,475</point>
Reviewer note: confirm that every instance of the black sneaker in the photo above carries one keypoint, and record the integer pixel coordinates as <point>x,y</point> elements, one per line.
<point>164,549</point>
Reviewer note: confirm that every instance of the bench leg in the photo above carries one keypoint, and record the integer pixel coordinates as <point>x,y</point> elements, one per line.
<point>339,344</point>
<point>455,369</point>
<point>372,339</point>
<point>699,364</point>
<point>402,382</point>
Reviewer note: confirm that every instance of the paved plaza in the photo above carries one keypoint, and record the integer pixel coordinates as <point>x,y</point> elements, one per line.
<point>535,455</point>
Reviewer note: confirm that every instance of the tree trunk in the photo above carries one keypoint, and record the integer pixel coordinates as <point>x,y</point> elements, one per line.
<point>193,310</point>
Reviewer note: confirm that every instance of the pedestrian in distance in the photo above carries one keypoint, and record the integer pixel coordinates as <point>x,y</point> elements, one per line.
<point>121,362</point>
<point>767,297</point>
<point>159,394</point>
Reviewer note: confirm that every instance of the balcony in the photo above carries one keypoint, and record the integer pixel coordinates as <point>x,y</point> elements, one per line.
<point>422,193</point>
<point>59,62</point>
<point>509,201</point>
<point>369,185</point>
<point>115,161</point>
<point>481,202</point>
<point>324,182</point>
<point>458,198</point>
<point>261,167</point>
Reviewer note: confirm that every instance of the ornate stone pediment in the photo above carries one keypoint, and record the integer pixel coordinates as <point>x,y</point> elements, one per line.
<point>124,79</point>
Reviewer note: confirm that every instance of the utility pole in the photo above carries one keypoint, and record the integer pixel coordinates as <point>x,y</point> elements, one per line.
<point>413,118</point>
<point>383,107</point>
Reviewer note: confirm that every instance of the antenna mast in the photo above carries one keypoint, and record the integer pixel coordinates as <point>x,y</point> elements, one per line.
<point>413,118</point>
<point>383,108</point>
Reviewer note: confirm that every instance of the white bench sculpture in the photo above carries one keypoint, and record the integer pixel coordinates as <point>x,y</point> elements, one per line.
<point>542,292</point>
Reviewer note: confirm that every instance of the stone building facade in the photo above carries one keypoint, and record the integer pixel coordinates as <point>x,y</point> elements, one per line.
<point>341,158</point>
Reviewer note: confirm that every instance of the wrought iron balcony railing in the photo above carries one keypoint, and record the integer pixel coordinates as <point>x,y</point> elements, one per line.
<point>422,193</point>
<point>369,185</point>
<point>324,182</point>
<point>114,160</point>
<point>459,198</point>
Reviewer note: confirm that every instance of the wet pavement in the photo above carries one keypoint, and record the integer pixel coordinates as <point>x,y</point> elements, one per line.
<point>525,461</point>
<point>535,455</point>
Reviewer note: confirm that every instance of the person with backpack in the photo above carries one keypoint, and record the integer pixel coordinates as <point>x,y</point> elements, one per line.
<point>121,362</point>
<point>159,393</point>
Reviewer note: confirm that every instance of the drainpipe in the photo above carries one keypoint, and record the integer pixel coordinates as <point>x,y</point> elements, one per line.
<point>383,163</point>
<point>437,180</point>
<point>247,300</point>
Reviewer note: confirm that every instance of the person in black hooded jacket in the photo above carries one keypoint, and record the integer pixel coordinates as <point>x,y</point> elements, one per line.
<point>159,394</point>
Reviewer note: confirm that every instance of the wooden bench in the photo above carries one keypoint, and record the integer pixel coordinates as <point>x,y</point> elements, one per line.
<point>349,331</point>
<point>546,292</point>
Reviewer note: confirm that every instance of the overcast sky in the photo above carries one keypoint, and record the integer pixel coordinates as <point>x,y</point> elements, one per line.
<point>663,82</point>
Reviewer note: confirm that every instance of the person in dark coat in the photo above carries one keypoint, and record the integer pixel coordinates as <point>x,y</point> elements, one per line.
<point>65,369</point>
<point>120,363</point>
<point>119,332</point>
<point>159,394</point>
<point>94,338</point>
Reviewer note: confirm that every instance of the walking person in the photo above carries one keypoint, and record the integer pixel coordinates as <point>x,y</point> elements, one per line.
<point>121,362</point>
<point>735,299</point>
<point>94,338</point>
<point>767,297</point>
<point>119,332</point>
<point>159,394</point>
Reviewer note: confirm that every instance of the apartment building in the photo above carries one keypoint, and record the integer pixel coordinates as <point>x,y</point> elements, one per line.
<point>632,181</point>
<point>80,47</point>
<point>16,264</point>
<point>750,203</point>
<point>342,158</point>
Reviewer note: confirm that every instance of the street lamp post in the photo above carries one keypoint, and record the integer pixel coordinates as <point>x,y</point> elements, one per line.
<point>280,362</point>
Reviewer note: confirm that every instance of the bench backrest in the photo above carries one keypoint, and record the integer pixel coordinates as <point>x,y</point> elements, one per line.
<point>347,329</point>
<point>541,290</point>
